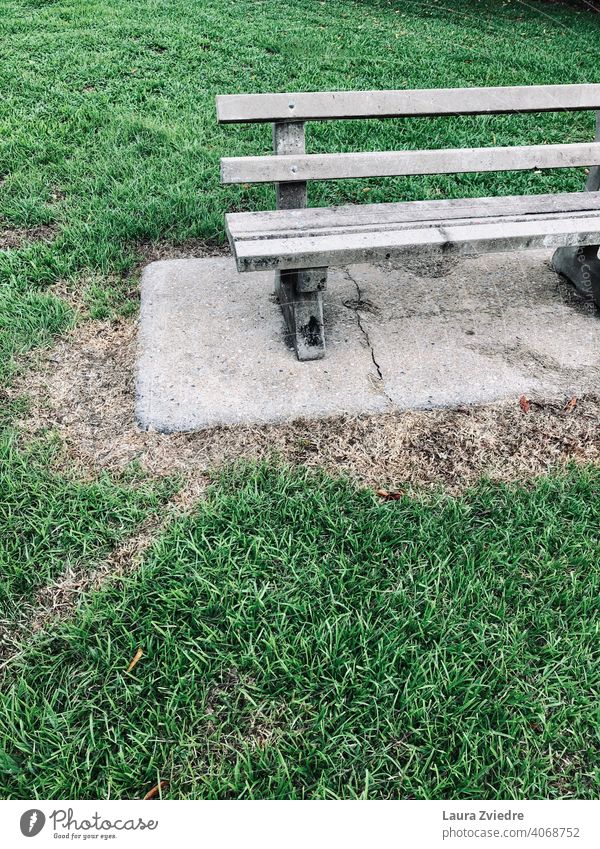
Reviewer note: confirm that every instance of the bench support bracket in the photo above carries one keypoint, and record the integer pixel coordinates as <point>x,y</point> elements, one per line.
<point>299,291</point>
<point>581,266</point>
<point>303,311</point>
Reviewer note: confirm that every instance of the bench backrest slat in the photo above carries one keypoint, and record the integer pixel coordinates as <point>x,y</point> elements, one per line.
<point>334,166</point>
<point>322,106</point>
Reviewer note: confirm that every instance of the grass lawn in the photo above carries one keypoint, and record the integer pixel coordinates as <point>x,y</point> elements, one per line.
<point>50,523</point>
<point>300,639</point>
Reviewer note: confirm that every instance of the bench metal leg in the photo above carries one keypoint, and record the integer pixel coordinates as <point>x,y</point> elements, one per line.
<point>300,295</point>
<point>582,267</point>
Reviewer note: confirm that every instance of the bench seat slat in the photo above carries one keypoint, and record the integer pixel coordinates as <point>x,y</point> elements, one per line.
<point>330,250</point>
<point>278,223</point>
<point>336,166</point>
<point>320,106</point>
<point>415,225</point>
<point>351,242</point>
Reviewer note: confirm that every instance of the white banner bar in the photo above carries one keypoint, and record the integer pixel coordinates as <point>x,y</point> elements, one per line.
<point>286,825</point>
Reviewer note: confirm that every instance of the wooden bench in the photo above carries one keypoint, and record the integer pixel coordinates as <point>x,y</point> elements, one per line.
<point>299,243</point>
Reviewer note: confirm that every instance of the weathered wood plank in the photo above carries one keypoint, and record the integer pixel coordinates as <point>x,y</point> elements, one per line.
<point>593,181</point>
<point>381,216</point>
<point>307,252</point>
<point>336,166</point>
<point>319,106</point>
<point>276,221</point>
<point>417,226</point>
<point>288,140</point>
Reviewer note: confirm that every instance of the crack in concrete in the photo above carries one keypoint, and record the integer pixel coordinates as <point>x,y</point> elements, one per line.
<point>355,307</point>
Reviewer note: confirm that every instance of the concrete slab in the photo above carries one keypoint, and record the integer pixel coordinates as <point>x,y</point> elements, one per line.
<point>212,349</point>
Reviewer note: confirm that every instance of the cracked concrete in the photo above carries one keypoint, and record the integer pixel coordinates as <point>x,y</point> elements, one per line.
<point>358,306</point>
<point>442,332</point>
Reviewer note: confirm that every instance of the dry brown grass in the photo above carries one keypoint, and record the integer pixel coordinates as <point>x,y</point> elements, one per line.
<point>84,389</point>
<point>15,237</point>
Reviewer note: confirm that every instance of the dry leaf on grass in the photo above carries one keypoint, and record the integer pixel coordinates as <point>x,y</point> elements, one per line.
<point>570,405</point>
<point>155,790</point>
<point>136,659</point>
<point>387,495</point>
<point>524,404</point>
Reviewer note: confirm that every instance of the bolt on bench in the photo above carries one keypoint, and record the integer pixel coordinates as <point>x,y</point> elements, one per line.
<point>300,243</point>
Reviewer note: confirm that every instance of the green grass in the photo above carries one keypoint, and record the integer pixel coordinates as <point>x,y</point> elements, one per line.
<point>302,640</point>
<point>27,319</point>
<point>108,129</point>
<point>50,523</point>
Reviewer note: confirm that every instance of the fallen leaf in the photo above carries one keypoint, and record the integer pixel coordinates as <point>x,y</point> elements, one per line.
<point>155,790</point>
<point>570,405</point>
<point>387,495</point>
<point>136,660</point>
<point>524,404</point>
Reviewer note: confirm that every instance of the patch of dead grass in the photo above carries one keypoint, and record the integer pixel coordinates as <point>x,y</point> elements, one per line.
<point>165,249</point>
<point>84,389</point>
<point>12,238</point>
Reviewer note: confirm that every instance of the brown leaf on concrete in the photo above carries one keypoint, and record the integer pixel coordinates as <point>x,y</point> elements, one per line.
<point>136,659</point>
<point>155,790</point>
<point>524,404</point>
